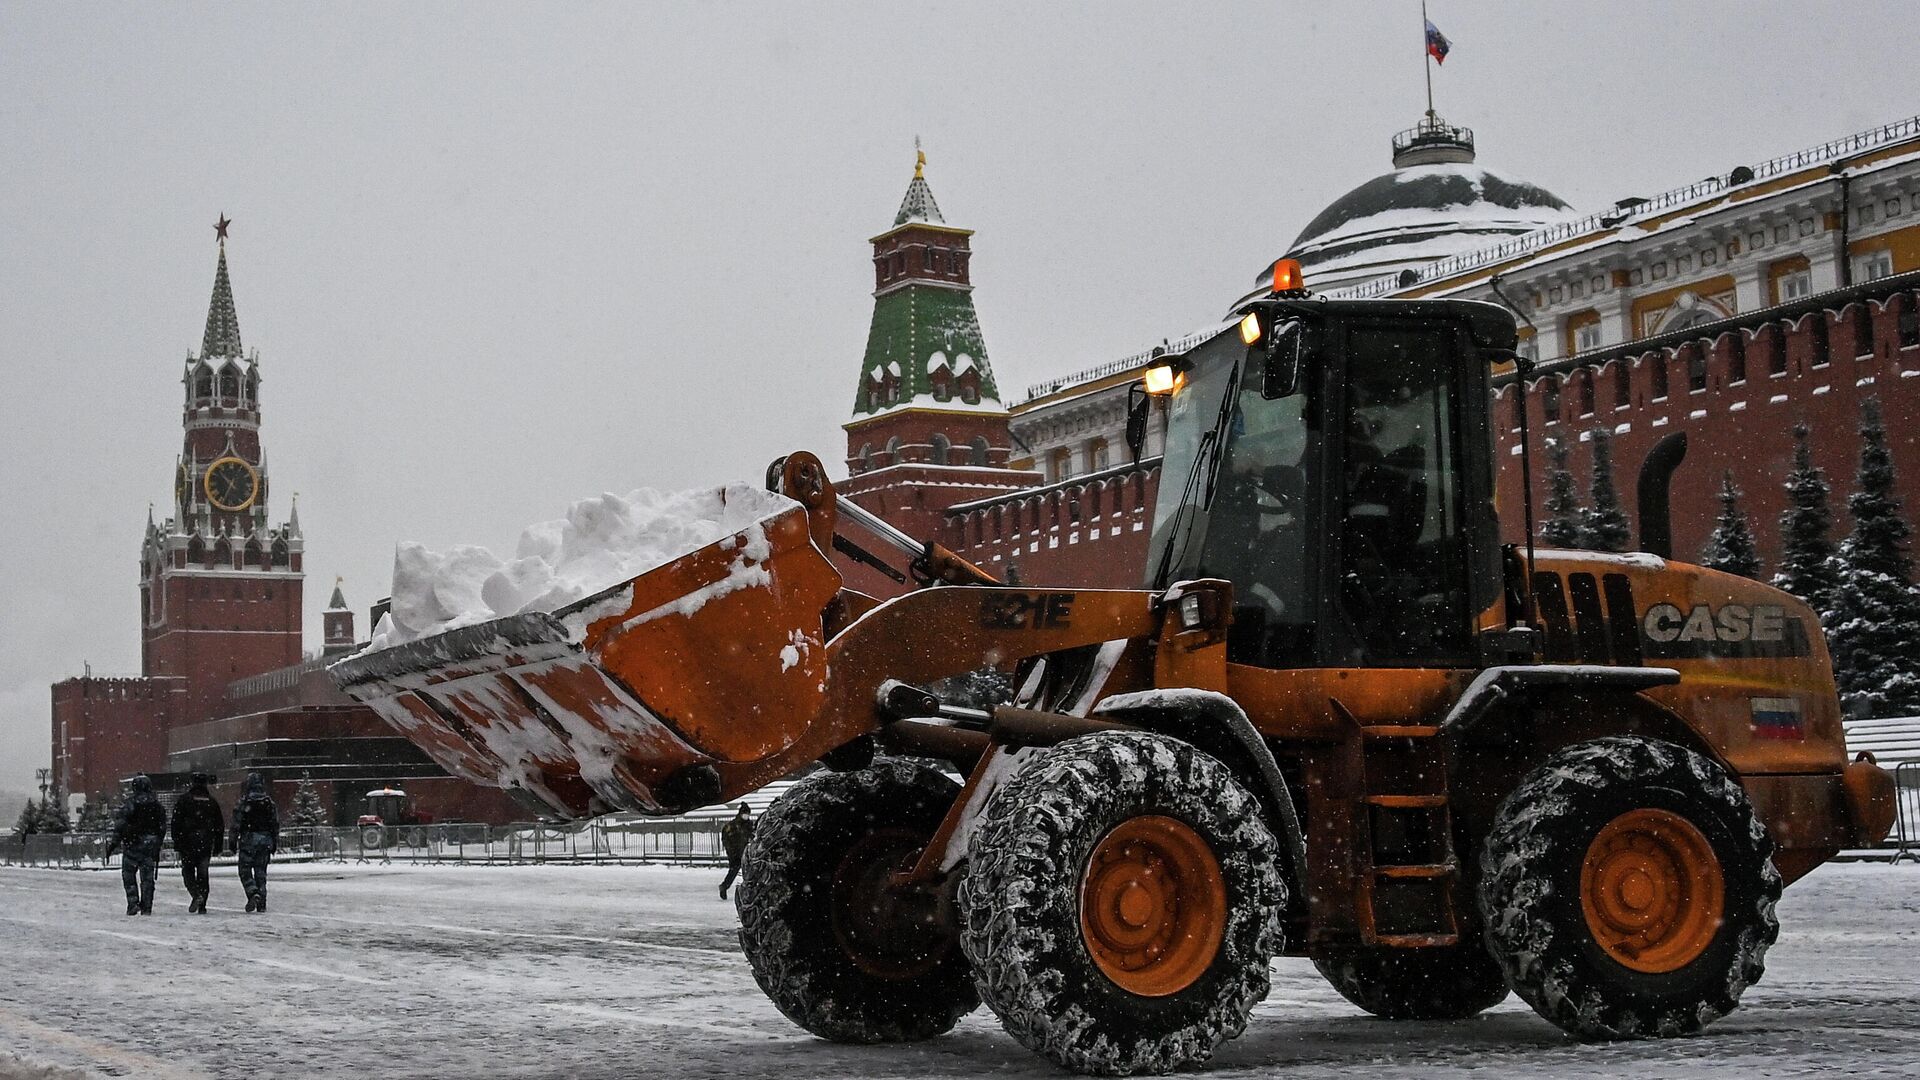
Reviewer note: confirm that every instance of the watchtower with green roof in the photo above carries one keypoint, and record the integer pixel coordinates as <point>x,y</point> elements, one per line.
<point>928,429</point>
<point>926,358</point>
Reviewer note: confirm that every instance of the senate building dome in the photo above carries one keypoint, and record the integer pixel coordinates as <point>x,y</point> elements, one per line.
<point>1435,203</point>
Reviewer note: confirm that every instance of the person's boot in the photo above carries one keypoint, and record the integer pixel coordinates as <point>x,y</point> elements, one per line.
<point>133,907</point>
<point>252,903</point>
<point>263,904</point>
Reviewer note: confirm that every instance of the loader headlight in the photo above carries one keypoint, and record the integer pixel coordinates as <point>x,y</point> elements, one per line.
<point>1250,329</point>
<point>1165,375</point>
<point>1190,614</point>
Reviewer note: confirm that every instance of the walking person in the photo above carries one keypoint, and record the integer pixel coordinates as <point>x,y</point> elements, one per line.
<point>256,834</point>
<point>139,833</point>
<point>734,837</point>
<point>199,830</point>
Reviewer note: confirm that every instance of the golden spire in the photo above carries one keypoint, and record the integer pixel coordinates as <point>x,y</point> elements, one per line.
<point>920,160</point>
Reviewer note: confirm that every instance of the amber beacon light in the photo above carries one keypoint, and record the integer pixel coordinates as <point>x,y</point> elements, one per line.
<point>1287,277</point>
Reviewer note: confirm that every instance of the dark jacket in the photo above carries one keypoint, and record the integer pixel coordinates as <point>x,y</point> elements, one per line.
<point>199,825</point>
<point>141,828</point>
<point>736,835</point>
<point>255,816</point>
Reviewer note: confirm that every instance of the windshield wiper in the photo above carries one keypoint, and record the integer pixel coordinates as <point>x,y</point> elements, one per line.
<point>1205,469</point>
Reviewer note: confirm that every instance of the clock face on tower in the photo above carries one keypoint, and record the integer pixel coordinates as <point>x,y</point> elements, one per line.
<point>231,484</point>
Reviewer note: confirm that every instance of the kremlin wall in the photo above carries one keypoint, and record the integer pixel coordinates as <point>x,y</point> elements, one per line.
<point>1778,292</point>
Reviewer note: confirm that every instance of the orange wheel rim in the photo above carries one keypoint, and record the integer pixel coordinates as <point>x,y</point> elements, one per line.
<point>1652,891</point>
<point>1153,906</point>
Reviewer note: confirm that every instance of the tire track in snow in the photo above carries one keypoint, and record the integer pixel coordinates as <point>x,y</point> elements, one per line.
<point>95,1052</point>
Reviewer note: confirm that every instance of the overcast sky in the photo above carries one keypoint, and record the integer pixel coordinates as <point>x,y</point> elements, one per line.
<point>497,258</point>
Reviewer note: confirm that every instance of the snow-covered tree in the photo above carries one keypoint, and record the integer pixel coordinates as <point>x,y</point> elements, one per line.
<point>1606,524</point>
<point>982,689</point>
<point>1806,546</point>
<point>1730,548</point>
<point>308,810</point>
<point>1562,527</point>
<point>1875,607</point>
<point>29,821</point>
<point>53,814</point>
<point>96,815</point>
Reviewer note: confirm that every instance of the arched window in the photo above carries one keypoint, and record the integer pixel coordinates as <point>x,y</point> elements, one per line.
<point>280,554</point>
<point>979,454</point>
<point>866,456</point>
<point>229,384</point>
<point>203,382</point>
<point>196,551</point>
<point>940,447</point>
<point>893,450</point>
<point>253,386</point>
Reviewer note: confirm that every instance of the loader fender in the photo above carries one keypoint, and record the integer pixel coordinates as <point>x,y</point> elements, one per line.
<point>1216,724</point>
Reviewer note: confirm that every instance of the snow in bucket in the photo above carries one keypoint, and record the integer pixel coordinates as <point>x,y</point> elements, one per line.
<point>601,542</point>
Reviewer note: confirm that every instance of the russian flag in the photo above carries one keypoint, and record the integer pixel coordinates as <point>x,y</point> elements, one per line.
<point>1777,718</point>
<point>1437,44</point>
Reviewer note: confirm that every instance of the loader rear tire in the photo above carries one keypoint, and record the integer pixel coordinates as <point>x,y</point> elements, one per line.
<point>835,950</point>
<point>1448,983</point>
<point>1121,904</point>
<point>1628,890</point>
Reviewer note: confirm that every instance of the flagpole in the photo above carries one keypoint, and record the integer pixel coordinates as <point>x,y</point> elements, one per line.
<point>1428,55</point>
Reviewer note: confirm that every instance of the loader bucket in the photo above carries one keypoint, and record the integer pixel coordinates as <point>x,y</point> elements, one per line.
<point>619,701</point>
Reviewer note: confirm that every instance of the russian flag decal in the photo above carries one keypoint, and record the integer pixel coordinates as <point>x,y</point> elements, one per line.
<point>1777,718</point>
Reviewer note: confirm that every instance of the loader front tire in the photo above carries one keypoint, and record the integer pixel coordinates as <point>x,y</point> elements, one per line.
<point>1121,904</point>
<point>835,949</point>
<point>1628,890</point>
<point>1451,982</point>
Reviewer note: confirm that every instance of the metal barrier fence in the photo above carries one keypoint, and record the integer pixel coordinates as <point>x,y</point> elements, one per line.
<point>640,840</point>
<point>1906,824</point>
<point>678,840</point>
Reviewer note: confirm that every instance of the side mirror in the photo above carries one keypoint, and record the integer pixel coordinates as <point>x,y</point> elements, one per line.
<point>1139,407</point>
<point>1285,349</point>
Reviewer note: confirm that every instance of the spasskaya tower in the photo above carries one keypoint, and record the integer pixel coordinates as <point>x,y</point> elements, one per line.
<point>220,586</point>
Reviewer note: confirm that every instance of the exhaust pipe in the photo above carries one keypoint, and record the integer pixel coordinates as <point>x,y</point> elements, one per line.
<point>1656,481</point>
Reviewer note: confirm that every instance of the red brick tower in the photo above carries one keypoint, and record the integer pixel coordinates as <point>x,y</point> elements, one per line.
<point>336,624</point>
<point>928,429</point>
<point>220,587</point>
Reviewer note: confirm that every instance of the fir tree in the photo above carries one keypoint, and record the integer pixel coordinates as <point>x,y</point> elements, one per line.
<point>1806,548</point>
<point>94,817</point>
<point>1730,549</point>
<point>308,811</point>
<point>29,820</point>
<point>1875,610</point>
<point>1606,524</point>
<point>1562,528</point>
<point>53,814</point>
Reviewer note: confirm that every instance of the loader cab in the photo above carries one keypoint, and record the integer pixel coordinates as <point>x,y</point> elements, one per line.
<point>1332,461</point>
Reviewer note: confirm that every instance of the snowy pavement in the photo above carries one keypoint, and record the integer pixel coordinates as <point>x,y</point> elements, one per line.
<point>589,972</point>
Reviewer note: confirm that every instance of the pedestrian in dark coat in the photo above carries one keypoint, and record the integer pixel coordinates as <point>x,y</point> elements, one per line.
<point>199,830</point>
<point>139,833</point>
<point>256,834</point>
<point>734,837</point>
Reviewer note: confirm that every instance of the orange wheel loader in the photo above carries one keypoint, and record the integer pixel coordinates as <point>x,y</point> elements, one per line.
<point>1341,720</point>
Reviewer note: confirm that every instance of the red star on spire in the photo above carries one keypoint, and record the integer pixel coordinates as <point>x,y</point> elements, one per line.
<point>220,227</point>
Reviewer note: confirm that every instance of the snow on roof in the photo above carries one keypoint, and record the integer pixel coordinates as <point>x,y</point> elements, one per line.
<point>1705,193</point>
<point>386,791</point>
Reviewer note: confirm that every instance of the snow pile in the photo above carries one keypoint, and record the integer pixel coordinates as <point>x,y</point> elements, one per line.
<point>600,543</point>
